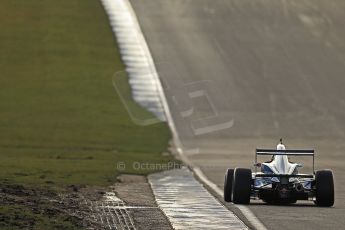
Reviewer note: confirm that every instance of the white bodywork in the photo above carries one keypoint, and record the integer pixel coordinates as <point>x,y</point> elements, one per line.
<point>280,164</point>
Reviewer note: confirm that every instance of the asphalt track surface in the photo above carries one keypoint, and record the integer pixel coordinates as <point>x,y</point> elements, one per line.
<point>240,74</point>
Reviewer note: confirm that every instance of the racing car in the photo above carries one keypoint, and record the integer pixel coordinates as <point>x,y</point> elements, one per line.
<point>278,181</point>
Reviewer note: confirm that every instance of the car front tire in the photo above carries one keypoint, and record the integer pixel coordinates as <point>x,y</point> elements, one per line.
<point>228,185</point>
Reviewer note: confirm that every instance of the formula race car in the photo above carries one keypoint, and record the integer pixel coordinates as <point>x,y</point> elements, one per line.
<point>278,181</point>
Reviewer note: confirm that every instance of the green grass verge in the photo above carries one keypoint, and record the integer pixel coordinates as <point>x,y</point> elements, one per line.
<point>21,217</point>
<point>61,121</point>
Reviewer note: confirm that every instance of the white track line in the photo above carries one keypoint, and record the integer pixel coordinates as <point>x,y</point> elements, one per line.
<point>139,45</point>
<point>188,204</point>
<point>143,77</point>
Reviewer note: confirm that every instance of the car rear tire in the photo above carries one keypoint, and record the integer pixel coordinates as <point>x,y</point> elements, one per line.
<point>324,188</point>
<point>241,186</point>
<point>228,184</point>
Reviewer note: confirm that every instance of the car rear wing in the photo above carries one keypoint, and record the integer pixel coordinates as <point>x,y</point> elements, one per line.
<point>288,152</point>
<point>293,152</point>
